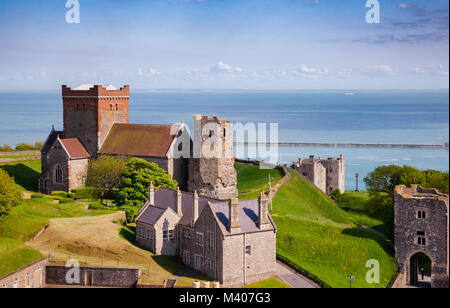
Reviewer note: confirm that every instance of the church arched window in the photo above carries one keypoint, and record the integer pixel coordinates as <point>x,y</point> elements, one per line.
<point>58,175</point>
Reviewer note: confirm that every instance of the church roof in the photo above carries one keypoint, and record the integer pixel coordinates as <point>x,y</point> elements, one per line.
<point>74,148</point>
<point>166,198</point>
<point>138,140</point>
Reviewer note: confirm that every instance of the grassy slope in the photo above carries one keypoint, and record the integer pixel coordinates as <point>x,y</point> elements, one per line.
<point>356,205</point>
<point>25,173</point>
<point>271,283</point>
<point>252,180</point>
<point>17,258</point>
<point>320,237</point>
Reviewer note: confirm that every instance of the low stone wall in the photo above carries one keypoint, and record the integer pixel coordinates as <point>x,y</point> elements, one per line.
<point>94,276</point>
<point>31,276</point>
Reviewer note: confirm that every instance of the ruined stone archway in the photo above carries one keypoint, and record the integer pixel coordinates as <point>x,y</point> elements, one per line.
<point>420,269</point>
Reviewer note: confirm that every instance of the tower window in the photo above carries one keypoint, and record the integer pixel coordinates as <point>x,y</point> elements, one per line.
<point>421,215</point>
<point>421,238</point>
<point>211,132</point>
<point>110,107</point>
<point>84,107</point>
<point>78,107</point>
<point>117,106</point>
<point>224,132</point>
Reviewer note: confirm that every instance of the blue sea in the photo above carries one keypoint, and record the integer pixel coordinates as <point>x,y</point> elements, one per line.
<point>413,117</point>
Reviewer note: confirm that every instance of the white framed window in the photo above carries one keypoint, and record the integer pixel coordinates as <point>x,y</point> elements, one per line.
<point>199,239</point>
<point>149,235</point>
<point>210,239</point>
<point>187,257</point>
<point>171,234</point>
<point>165,235</point>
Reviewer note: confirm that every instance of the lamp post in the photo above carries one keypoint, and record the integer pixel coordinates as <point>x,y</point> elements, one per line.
<point>357,176</point>
<point>352,278</point>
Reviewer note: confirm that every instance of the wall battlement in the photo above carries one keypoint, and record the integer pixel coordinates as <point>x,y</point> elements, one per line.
<point>95,91</point>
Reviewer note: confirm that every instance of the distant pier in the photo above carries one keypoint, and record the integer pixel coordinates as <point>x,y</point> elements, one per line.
<point>352,145</point>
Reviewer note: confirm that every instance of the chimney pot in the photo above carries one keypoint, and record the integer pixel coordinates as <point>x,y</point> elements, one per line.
<point>195,210</point>
<point>179,206</point>
<point>151,194</point>
<point>263,212</point>
<point>234,224</point>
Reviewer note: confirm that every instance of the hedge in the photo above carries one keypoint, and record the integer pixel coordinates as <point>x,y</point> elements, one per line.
<point>85,193</point>
<point>37,195</point>
<point>62,194</point>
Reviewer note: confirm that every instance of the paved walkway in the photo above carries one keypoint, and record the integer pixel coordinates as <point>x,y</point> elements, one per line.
<point>292,278</point>
<point>379,233</point>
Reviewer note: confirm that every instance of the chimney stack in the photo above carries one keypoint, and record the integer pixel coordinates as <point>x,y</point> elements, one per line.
<point>151,194</point>
<point>179,209</point>
<point>311,157</point>
<point>263,211</point>
<point>195,211</point>
<point>234,225</point>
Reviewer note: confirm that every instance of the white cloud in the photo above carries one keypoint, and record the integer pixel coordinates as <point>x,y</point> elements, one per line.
<point>310,72</point>
<point>432,70</point>
<point>152,72</point>
<point>379,70</point>
<point>221,67</point>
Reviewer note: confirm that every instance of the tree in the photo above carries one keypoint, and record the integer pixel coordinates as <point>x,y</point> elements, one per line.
<point>335,194</point>
<point>104,173</point>
<point>10,193</point>
<point>133,188</point>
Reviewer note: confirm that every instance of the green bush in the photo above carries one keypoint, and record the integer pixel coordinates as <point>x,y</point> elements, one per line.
<point>85,193</point>
<point>6,148</point>
<point>71,195</point>
<point>25,147</point>
<point>66,200</point>
<point>99,206</point>
<point>62,194</point>
<point>59,198</point>
<point>10,193</point>
<point>130,211</point>
<point>335,194</point>
<point>37,195</point>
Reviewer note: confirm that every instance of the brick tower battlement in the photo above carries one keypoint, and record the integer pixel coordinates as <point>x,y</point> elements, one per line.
<point>91,110</point>
<point>421,227</point>
<point>211,170</point>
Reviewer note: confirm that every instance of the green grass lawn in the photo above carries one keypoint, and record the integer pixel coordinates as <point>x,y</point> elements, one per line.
<point>25,220</point>
<point>18,156</point>
<point>357,206</point>
<point>252,180</point>
<point>17,258</point>
<point>315,234</point>
<point>272,283</point>
<point>26,174</point>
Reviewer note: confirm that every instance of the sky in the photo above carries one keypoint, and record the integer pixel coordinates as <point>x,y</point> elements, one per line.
<point>225,44</point>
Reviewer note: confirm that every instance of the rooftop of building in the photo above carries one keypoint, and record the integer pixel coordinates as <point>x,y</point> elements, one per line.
<point>145,140</point>
<point>88,86</point>
<point>418,192</point>
<point>167,198</point>
<point>74,148</point>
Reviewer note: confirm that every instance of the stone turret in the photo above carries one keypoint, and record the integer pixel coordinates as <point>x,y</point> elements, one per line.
<point>211,171</point>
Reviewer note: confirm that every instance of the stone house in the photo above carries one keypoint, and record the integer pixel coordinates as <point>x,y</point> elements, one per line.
<point>421,227</point>
<point>233,242</point>
<point>326,174</point>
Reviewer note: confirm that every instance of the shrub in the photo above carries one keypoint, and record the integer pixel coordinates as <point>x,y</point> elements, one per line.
<point>10,193</point>
<point>71,195</point>
<point>130,211</point>
<point>66,200</point>
<point>37,195</point>
<point>85,193</point>
<point>6,148</point>
<point>98,206</point>
<point>335,194</point>
<point>62,194</point>
<point>57,198</point>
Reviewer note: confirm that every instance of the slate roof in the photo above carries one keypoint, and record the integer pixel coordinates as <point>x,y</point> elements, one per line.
<point>138,140</point>
<point>74,148</point>
<point>166,198</point>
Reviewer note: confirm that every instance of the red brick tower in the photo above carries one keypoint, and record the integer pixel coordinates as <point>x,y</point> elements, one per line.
<point>91,110</point>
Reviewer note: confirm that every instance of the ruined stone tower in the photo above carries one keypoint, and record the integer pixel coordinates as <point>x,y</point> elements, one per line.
<point>211,170</point>
<point>91,110</point>
<point>421,231</point>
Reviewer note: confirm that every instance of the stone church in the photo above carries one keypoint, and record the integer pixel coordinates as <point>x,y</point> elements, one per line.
<point>96,122</point>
